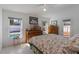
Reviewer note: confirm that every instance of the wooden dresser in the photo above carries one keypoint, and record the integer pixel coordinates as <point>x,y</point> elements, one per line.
<point>33,32</point>
<point>53,29</point>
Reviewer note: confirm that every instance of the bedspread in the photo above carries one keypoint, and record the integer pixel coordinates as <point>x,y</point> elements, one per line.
<point>51,44</point>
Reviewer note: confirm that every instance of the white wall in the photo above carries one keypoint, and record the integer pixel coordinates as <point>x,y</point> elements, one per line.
<point>0,28</point>
<point>6,40</point>
<point>40,19</point>
<point>71,13</point>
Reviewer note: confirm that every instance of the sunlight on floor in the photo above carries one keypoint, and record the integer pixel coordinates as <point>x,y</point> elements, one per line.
<point>24,45</point>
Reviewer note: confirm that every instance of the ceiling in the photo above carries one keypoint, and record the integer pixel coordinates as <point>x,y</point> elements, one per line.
<point>37,8</point>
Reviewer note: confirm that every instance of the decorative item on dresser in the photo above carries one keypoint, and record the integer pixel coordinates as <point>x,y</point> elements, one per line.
<point>35,31</point>
<point>52,29</point>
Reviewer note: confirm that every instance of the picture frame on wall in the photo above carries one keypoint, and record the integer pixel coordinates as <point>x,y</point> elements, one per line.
<point>33,20</point>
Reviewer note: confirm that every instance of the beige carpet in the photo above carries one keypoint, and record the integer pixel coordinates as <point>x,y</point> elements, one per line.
<point>19,49</point>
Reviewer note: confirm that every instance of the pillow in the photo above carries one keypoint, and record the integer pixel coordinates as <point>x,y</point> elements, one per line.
<point>75,36</point>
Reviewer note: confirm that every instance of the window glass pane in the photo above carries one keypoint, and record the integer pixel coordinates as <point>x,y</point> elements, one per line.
<point>66,29</point>
<point>15,27</point>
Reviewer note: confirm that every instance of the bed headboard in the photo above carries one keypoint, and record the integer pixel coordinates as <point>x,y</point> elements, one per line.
<point>35,31</point>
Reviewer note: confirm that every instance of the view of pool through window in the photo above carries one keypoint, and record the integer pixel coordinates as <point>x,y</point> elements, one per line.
<point>15,27</point>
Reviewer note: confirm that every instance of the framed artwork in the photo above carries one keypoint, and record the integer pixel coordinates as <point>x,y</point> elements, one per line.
<point>33,20</point>
<point>54,22</point>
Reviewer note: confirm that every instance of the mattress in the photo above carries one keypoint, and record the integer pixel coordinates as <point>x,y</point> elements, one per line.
<point>52,44</point>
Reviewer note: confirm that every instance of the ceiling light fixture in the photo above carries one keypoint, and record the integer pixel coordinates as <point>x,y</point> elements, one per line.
<point>44,9</point>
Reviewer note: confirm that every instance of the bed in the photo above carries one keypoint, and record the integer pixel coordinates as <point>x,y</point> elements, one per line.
<point>54,44</point>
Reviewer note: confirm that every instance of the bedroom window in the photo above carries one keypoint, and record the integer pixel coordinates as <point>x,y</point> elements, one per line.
<point>66,28</point>
<point>15,27</point>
